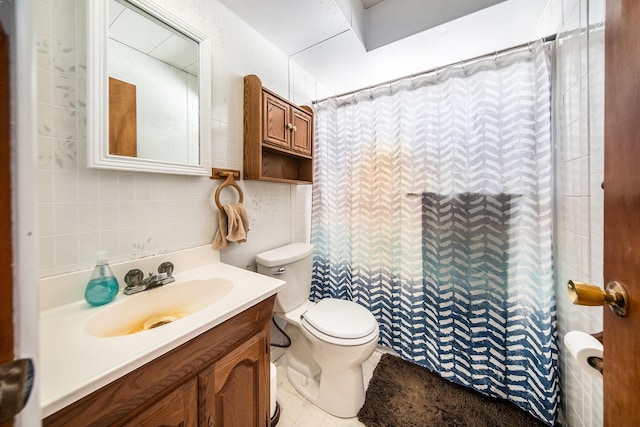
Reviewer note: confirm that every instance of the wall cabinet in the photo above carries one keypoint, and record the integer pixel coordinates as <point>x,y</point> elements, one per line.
<point>218,379</point>
<point>285,126</point>
<point>278,136</point>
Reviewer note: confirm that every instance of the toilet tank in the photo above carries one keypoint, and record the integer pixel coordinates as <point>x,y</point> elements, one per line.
<point>293,264</point>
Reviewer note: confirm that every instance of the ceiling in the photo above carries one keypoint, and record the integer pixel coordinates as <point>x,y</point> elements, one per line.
<point>138,30</point>
<point>349,44</point>
<point>368,3</point>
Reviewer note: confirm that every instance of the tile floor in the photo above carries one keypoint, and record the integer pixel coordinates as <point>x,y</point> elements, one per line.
<point>296,411</point>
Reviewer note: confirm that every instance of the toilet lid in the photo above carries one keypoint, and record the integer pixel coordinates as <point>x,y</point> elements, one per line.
<point>341,319</point>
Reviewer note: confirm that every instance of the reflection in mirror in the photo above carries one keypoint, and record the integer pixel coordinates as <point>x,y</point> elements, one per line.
<point>153,69</point>
<point>151,76</point>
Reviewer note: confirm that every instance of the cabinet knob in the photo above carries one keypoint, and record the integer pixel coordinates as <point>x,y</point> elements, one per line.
<point>210,421</point>
<point>290,126</point>
<point>295,129</point>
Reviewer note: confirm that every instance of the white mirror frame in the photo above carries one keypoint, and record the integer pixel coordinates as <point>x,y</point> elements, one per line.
<point>98,94</point>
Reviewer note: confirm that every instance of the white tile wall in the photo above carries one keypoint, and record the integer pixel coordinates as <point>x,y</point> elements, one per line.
<point>301,213</point>
<point>579,130</point>
<point>134,215</point>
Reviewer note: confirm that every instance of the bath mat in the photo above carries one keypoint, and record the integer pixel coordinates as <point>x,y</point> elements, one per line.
<point>403,394</point>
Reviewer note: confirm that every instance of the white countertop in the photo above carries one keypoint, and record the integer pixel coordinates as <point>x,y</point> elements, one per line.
<point>75,363</point>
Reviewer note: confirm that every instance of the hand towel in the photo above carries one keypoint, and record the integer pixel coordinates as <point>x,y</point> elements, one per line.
<point>233,226</point>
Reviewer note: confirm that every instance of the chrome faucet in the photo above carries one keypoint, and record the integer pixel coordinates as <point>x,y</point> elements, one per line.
<point>136,282</point>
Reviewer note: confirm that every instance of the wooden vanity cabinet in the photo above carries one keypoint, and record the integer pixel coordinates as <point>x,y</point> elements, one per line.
<point>218,379</point>
<point>278,136</point>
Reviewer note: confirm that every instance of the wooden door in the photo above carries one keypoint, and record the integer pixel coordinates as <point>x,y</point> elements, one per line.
<point>622,210</point>
<point>6,256</point>
<point>302,131</point>
<point>123,118</point>
<point>234,392</point>
<point>275,121</point>
<point>178,409</point>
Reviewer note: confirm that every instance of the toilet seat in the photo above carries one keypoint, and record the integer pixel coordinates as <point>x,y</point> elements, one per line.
<point>340,322</point>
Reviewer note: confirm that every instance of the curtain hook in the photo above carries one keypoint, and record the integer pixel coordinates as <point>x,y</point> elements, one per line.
<point>462,64</point>
<point>495,57</point>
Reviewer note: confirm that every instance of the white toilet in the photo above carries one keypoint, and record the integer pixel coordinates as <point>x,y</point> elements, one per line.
<point>330,338</point>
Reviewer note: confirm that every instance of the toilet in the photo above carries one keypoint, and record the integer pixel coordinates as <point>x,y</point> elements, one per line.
<point>330,339</point>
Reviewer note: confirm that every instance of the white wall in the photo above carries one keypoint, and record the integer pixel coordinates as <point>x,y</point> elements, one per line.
<point>134,215</point>
<point>579,136</point>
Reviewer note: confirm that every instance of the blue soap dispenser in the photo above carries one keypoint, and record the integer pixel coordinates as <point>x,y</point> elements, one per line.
<point>103,286</point>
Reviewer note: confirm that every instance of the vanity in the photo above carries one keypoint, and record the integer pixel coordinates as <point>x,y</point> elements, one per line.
<point>209,367</point>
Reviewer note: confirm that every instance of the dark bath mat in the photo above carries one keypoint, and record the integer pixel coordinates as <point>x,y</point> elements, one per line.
<point>403,394</point>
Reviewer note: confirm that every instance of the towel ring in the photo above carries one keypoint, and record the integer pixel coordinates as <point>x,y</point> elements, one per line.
<point>230,181</point>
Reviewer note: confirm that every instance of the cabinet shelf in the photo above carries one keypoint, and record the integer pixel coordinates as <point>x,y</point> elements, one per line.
<point>278,136</point>
<point>279,167</point>
<point>284,152</point>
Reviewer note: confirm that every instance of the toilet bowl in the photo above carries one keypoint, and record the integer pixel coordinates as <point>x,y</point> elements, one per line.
<point>330,339</point>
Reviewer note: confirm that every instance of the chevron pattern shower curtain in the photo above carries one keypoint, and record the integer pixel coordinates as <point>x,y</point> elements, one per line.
<point>432,208</point>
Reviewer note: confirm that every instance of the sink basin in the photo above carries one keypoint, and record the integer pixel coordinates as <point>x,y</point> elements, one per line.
<point>156,307</point>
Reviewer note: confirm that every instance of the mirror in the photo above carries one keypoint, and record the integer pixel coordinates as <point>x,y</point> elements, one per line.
<point>149,77</point>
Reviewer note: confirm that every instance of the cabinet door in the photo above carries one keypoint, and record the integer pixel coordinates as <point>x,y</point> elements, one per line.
<point>178,409</point>
<point>275,122</point>
<point>302,131</point>
<point>234,392</point>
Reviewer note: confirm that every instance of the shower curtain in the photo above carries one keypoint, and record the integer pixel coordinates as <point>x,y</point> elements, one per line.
<point>432,208</point>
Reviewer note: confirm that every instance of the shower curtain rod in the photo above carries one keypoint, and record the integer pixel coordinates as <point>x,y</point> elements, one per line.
<point>546,39</point>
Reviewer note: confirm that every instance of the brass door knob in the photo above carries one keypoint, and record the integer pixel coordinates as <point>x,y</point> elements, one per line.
<point>615,295</point>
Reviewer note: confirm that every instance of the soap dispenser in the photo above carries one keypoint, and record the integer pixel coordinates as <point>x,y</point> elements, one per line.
<point>103,286</point>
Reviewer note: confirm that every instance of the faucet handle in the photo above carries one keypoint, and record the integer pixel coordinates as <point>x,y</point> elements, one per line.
<point>133,277</point>
<point>166,267</point>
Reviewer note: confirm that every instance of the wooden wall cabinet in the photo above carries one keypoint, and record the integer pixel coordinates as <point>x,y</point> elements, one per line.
<point>278,136</point>
<point>218,379</point>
